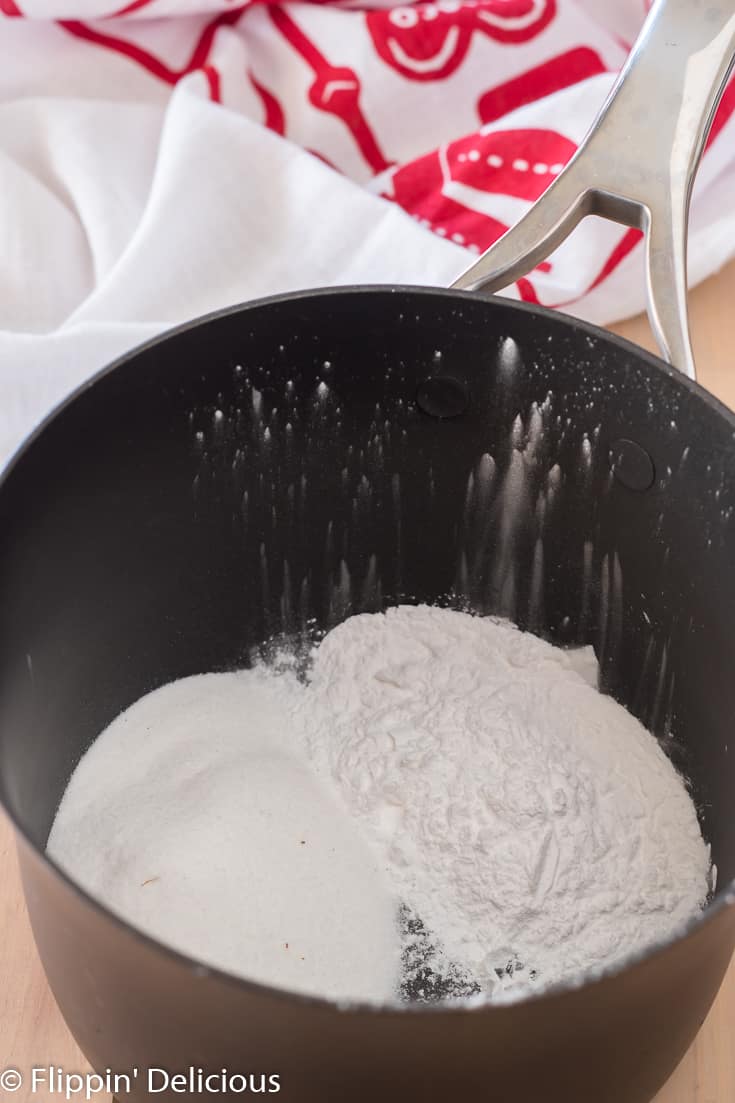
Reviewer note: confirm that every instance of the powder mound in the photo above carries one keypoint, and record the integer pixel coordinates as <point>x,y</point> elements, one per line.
<point>440,774</point>
<point>532,828</point>
<point>196,816</point>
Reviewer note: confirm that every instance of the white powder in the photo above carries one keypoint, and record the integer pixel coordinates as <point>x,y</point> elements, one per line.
<point>443,768</point>
<point>525,818</point>
<point>192,817</point>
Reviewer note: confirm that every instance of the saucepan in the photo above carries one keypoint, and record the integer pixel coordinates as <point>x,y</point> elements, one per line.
<point>285,463</point>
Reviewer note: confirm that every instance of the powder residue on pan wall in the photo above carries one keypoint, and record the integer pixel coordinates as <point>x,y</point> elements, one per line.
<point>546,460</point>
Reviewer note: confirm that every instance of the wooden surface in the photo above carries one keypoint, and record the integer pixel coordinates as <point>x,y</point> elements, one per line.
<point>32,1032</point>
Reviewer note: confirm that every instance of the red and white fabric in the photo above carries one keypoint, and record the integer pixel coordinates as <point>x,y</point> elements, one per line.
<point>167,157</point>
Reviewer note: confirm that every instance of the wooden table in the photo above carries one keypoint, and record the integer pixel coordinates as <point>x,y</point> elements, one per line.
<point>32,1031</point>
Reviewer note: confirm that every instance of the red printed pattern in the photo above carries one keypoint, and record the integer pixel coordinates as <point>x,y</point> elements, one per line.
<point>198,61</point>
<point>430,41</point>
<point>449,190</point>
<point>335,89</point>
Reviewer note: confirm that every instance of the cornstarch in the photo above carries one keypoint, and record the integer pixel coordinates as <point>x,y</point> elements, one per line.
<point>531,824</point>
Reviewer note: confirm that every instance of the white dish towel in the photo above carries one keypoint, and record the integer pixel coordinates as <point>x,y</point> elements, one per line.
<point>169,157</point>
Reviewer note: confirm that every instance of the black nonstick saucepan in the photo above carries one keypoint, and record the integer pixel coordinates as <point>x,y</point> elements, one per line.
<point>296,460</point>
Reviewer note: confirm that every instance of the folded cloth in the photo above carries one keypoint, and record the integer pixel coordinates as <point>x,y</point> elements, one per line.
<point>169,157</point>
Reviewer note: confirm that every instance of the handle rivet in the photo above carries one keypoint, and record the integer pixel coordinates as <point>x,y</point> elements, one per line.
<point>631,465</point>
<point>442,396</point>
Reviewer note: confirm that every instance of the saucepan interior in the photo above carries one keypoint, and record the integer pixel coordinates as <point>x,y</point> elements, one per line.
<point>274,468</point>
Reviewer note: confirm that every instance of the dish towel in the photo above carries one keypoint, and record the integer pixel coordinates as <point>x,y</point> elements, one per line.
<point>165,158</point>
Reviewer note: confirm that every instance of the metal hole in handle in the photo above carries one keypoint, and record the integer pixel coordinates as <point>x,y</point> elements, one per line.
<point>637,164</point>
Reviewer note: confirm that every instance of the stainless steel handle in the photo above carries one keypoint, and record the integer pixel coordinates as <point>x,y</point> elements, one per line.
<point>637,163</point>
